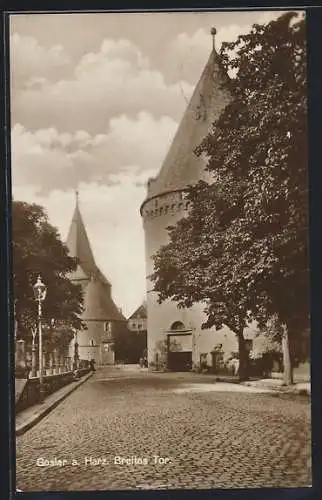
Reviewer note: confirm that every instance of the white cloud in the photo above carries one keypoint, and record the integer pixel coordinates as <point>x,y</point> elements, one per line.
<point>115,80</point>
<point>231,32</point>
<point>62,161</point>
<point>189,52</point>
<point>121,49</point>
<point>33,64</point>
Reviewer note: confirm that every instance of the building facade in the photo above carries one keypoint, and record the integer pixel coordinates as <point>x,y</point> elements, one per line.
<point>137,322</point>
<point>175,337</point>
<point>102,318</point>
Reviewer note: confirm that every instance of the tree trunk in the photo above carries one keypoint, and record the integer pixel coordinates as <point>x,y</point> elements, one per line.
<point>243,358</point>
<point>287,360</point>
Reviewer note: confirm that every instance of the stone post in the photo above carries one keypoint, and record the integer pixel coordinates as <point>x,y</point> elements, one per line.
<point>76,356</point>
<point>56,358</point>
<point>20,360</point>
<point>20,351</point>
<point>44,362</point>
<point>33,360</point>
<point>51,363</point>
<point>61,364</point>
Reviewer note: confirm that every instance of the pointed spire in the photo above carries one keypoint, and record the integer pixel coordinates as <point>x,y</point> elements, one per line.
<point>181,167</point>
<point>213,32</point>
<point>78,242</point>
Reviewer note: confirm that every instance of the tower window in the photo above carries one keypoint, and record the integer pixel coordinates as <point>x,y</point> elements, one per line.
<point>92,342</point>
<point>107,326</point>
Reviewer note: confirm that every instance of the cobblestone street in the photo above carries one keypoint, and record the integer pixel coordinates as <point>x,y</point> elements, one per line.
<point>208,439</point>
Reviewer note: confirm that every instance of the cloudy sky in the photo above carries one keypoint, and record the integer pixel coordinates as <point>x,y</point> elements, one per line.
<point>95,101</point>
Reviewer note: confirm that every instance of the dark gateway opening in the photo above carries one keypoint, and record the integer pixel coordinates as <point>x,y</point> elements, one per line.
<point>180,361</point>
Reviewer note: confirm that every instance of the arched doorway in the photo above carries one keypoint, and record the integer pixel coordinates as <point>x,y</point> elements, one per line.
<point>179,347</point>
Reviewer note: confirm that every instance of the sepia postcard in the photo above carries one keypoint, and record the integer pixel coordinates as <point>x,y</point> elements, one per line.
<point>160,262</point>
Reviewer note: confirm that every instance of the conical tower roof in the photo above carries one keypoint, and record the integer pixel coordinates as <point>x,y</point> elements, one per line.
<point>181,166</point>
<point>80,247</point>
<point>99,305</point>
<point>98,301</point>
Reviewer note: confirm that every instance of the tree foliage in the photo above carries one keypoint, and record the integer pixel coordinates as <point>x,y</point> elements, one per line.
<point>38,250</point>
<point>243,248</point>
<point>57,337</point>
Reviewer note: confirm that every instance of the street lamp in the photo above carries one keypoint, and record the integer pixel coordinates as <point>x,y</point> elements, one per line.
<point>40,291</point>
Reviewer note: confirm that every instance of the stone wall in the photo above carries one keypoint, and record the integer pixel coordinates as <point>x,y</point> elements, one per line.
<point>52,383</point>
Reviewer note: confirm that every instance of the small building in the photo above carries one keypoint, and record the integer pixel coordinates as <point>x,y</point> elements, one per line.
<point>137,322</point>
<point>103,319</point>
<point>131,343</point>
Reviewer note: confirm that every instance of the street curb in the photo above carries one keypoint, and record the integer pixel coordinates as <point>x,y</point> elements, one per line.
<point>35,419</point>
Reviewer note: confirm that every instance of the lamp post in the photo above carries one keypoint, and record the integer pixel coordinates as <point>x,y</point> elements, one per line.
<point>40,291</point>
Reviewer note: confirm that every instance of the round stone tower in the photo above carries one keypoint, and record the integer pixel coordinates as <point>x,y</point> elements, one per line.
<point>175,338</point>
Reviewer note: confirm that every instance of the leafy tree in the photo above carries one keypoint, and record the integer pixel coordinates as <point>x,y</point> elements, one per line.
<point>38,250</point>
<point>242,250</point>
<point>267,348</point>
<point>268,339</point>
<point>196,267</point>
<point>57,337</point>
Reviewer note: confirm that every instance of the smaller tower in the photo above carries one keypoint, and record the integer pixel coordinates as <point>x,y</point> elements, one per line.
<point>101,316</point>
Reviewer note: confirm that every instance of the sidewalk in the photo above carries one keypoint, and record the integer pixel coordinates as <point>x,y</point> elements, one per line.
<point>32,415</point>
<point>278,385</point>
<point>300,386</point>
